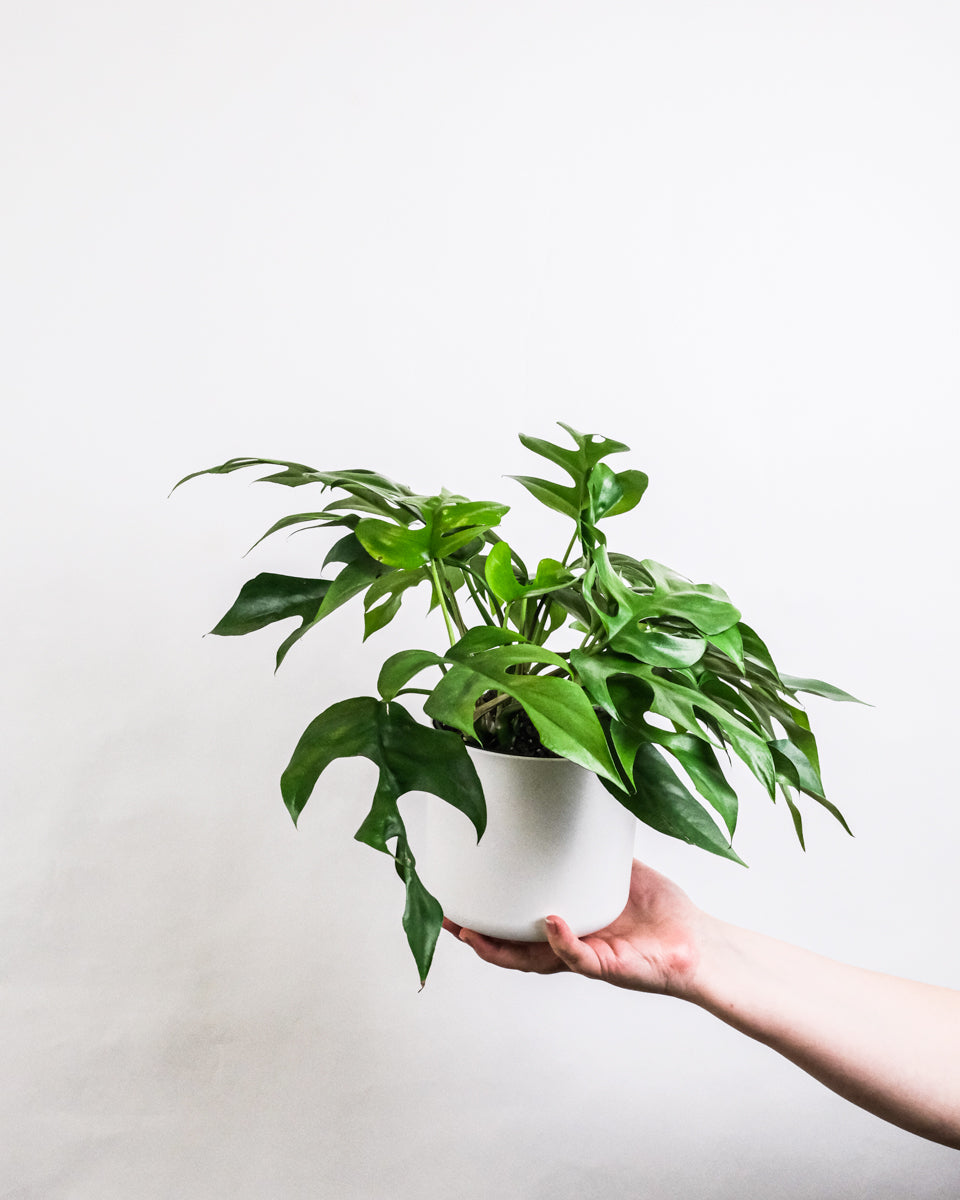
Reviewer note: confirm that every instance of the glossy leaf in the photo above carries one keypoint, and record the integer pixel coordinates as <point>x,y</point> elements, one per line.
<point>633,485</point>
<point>502,581</point>
<point>483,637</point>
<point>677,703</point>
<point>795,770</point>
<point>661,801</point>
<point>410,757</point>
<point>558,708</point>
<point>658,648</point>
<point>730,642</point>
<point>604,491</point>
<point>360,570</point>
<point>323,518</point>
<point>700,763</point>
<point>816,687</point>
<point>561,499</point>
<point>401,667</point>
<point>383,597</point>
<point>394,545</point>
<point>239,464</point>
<point>269,598</point>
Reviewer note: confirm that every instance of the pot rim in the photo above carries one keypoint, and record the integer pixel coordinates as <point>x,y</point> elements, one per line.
<point>524,758</point>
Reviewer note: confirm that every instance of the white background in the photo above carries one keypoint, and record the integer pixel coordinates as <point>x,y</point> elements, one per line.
<point>394,235</point>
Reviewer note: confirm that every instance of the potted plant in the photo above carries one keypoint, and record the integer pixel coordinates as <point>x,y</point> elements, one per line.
<point>654,674</point>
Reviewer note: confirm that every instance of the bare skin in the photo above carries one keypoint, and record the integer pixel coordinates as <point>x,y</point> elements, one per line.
<point>890,1045</point>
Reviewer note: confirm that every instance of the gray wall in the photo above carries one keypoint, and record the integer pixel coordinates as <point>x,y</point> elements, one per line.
<point>394,235</point>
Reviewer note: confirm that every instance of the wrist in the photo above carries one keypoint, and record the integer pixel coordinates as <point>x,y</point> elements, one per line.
<point>708,965</point>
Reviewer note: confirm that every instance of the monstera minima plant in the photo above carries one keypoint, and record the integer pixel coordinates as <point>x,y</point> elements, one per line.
<point>652,682</point>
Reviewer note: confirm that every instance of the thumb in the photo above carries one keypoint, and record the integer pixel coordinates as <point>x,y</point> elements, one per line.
<point>568,947</point>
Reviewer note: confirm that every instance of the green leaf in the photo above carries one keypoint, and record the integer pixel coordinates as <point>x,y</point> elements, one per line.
<point>700,763</point>
<point>705,605</point>
<point>482,637</point>
<point>633,484</point>
<point>268,598</point>
<point>359,572</point>
<point>755,650</point>
<point>662,802</point>
<point>400,668</point>
<point>422,914</point>
<point>797,818</point>
<point>499,575</point>
<point>604,491</point>
<point>394,545</point>
<point>554,495</point>
<point>392,585</point>
<point>561,713</point>
<point>730,643</point>
<point>816,687</point>
<point>504,584</point>
<point>410,757</point>
<point>322,517</point>
<point>678,703</point>
<point>794,769</point>
<point>658,648</point>
<point>238,464</point>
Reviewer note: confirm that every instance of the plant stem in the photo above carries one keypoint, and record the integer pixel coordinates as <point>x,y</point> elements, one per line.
<point>441,601</point>
<point>487,705</point>
<point>566,553</point>
<point>475,596</point>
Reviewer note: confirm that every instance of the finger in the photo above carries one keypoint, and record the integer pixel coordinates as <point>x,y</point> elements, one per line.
<point>568,947</point>
<point>515,956</point>
<point>451,927</point>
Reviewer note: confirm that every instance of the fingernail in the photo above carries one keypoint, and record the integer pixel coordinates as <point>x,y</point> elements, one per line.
<point>551,924</point>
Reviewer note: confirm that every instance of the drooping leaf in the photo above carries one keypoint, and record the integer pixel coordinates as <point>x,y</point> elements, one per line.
<point>238,464</point>
<point>700,763</point>
<point>730,642</point>
<point>657,647</point>
<point>755,650</point>
<point>796,816</point>
<point>360,570</point>
<point>661,801</point>
<point>410,757</point>
<point>794,769</point>
<point>383,597</point>
<point>816,687</point>
<point>678,703</point>
<point>422,913</point>
<point>323,518</point>
<point>268,598</point>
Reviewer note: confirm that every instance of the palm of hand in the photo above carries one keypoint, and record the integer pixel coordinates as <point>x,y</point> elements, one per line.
<point>651,946</point>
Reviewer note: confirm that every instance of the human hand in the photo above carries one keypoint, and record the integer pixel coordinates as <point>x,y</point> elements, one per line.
<point>653,946</point>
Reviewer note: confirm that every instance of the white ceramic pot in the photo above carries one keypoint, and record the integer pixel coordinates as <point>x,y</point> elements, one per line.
<point>556,842</point>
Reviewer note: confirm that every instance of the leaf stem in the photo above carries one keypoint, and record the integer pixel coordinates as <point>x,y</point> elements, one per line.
<point>488,704</point>
<point>475,596</point>
<point>441,601</point>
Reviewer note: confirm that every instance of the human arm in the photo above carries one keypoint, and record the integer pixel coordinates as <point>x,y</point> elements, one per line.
<point>889,1045</point>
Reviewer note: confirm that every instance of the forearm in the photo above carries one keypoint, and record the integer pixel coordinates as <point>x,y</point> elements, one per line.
<point>889,1045</point>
